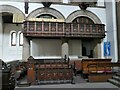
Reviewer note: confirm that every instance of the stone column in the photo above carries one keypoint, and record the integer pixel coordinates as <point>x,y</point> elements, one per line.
<point>26,49</point>
<point>97,49</point>
<point>1,45</point>
<point>1,36</point>
<point>65,49</point>
<point>118,28</point>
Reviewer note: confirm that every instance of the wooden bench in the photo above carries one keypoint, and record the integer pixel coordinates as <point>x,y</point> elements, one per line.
<point>96,73</point>
<point>100,76</point>
<point>86,62</point>
<point>107,67</point>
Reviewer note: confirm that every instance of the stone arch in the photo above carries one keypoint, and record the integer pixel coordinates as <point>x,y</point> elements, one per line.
<point>12,9</point>
<point>85,13</point>
<point>44,10</point>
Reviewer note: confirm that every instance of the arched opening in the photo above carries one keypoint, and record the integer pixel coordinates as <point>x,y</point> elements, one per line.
<point>48,16</point>
<point>83,13</point>
<point>20,39</point>
<point>83,46</point>
<point>46,13</point>
<point>7,17</point>
<point>13,38</point>
<point>83,20</point>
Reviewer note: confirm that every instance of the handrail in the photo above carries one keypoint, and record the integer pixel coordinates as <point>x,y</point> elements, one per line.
<point>112,64</point>
<point>42,28</point>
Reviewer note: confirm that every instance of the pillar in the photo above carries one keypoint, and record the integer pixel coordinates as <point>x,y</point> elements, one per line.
<point>1,45</point>
<point>1,36</point>
<point>65,49</point>
<point>118,28</point>
<point>26,48</point>
<point>97,48</point>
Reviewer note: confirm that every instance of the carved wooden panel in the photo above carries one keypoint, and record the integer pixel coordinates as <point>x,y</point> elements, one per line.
<point>31,73</point>
<point>87,28</point>
<point>25,26</point>
<point>75,27</point>
<point>67,28</point>
<point>93,28</point>
<point>87,62</point>
<point>46,26</point>
<point>38,26</point>
<point>60,27</point>
<point>81,27</point>
<point>31,26</point>
<point>53,27</point>
<point>100,28</point>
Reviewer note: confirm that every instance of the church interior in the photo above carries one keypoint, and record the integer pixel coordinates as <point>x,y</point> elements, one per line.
<point>49,42</point>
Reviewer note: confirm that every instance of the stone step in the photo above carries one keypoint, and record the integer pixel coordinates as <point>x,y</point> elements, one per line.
<point>117,78</point>
<point>115,82</point>
<point>23,84</point>
<point>54,82</point>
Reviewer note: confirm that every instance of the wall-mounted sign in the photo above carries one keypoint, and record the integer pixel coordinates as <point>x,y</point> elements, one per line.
<point>107,49</point>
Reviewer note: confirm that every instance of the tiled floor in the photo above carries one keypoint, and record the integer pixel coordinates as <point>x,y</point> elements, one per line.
<point>83,86</point>
<point>80,84</point>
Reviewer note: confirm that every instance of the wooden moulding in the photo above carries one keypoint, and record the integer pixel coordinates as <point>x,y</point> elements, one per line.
<point>86,62</point>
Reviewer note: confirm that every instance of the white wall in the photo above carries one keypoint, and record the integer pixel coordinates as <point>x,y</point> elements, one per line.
<point>53,47</point>
<point>75,47</point>
<point>1,36</point>
<point>11,53</point>
<point>101,3</point>
<point>46,47</point>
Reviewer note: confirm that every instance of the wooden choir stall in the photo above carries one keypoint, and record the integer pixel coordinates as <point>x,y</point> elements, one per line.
<point>95,69</point>
<point>42,71</point>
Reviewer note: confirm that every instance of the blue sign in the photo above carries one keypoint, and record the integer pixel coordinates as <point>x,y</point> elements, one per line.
<point>107,48</point>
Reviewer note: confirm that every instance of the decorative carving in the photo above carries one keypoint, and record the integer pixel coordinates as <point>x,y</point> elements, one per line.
<point>26,6</point>
<point>83,5</point>
<point>63,29</point>
<point>30,58</point>
<point>46,4</point>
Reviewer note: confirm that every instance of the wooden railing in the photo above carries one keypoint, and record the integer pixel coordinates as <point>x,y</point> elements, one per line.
<point>44,71</point>
<point>62,29</point>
